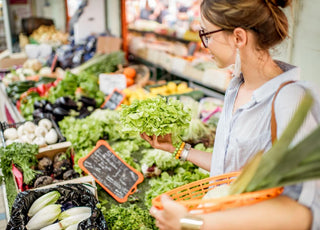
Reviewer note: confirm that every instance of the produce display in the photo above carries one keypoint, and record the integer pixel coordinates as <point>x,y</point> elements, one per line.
<point>73,103</point>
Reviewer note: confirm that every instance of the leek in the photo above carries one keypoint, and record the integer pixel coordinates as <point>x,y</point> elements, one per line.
<point>271,159</point>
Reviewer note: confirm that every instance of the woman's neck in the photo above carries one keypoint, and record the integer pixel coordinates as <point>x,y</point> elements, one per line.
<point>257,71</point>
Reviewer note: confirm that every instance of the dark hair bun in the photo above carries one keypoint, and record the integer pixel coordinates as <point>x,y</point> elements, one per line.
<point>282,3</point>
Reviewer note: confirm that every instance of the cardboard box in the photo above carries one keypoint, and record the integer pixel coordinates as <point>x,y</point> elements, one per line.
<point>9,62</point>
<point>108,45</point>
<point>50,151</point>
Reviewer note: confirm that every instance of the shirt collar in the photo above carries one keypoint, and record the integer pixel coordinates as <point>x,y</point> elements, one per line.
<point>290,72</point>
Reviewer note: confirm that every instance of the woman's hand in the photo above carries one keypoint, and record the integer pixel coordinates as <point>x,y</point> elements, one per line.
<point>169,217</point>
<point>160,142</point>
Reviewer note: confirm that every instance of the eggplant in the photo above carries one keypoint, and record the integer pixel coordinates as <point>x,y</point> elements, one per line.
<point>48,108</point>
<point>38,105</point>
<point>83,113</point>
<point>88,101</point>
<point>38,114</point>
<point>66,103</point>
<point>59,113</point>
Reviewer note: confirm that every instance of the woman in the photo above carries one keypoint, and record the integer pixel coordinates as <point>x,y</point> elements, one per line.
<point>242,32</point>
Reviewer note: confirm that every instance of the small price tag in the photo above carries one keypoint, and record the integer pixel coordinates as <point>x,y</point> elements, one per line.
<point>109,82</point>
<point>113,100</point>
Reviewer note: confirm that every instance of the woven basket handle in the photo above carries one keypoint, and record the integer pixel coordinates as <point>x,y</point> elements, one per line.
<point>273,114</point>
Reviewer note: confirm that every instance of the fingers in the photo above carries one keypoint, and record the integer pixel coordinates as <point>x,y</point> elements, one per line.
<point>153,140</point>
<point>146,137</point>
<point>158,215</point>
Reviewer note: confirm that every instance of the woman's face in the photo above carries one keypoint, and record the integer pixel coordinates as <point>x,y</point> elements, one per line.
<point>220,45</point>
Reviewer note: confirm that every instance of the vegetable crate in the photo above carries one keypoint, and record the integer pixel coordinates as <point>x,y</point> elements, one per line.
<point>50,151</point>
<point>191,195</point>
<point>4,126</point>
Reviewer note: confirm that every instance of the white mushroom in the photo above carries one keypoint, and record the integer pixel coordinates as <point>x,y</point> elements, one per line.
<point>21,130</point>
<point>39,141</point>
<point>23,139</point>
<point>29,127</point>
<point>46,123</point>
<point>40,131</point>
<point>31,136</point>
<point>9,142</point>
<point>51,137</point>
<point>10,134</point>
<point>26,139</point>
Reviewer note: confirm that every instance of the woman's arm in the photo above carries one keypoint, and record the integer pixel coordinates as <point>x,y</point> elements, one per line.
<point>197,157</point>
<point>200,158</point>
<point>278,213</point>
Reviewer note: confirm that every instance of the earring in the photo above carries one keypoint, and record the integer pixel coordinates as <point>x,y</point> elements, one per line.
<point>237,65</point>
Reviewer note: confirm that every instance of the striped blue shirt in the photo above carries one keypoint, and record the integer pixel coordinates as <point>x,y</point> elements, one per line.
<point>246,131</point>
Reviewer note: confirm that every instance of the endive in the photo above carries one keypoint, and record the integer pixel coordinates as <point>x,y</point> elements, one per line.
<point>76,219</point>
<point>44,217</point>
<point>56,226</point>
<point>44,200</point>
<point>74,211</point>
<point>72,227</point>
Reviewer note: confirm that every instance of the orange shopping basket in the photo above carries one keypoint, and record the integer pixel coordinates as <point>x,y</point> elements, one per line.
<point>190,195</point>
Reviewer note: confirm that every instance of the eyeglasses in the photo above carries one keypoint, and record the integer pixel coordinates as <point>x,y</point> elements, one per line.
<point>204,36</point>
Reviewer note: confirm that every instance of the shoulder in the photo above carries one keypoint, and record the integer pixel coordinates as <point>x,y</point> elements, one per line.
<point>290,94</point>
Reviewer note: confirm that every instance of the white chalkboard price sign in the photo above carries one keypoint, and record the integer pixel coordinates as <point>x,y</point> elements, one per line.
<point>113,174</point>
<point>113,100</point>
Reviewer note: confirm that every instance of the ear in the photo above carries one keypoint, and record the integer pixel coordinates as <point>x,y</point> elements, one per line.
<point>240,37</point>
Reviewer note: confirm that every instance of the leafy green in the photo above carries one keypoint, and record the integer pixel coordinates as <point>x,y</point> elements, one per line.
<point>27,105</point>
<point>162,159</point>
<point>23,155</point>
<point>105,63</point>
<point>125,149</point>
<point>201,147</point>
<point>155,116</point>
<point>84,133</point>
<point>10,190</point>
<point>167,182</point>
<point>128,218</point>
<point>65,87</point>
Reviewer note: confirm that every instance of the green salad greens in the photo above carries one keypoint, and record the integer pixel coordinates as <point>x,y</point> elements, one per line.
<point>155,116</point>
<point>23,155</point>
<point>129,218</point>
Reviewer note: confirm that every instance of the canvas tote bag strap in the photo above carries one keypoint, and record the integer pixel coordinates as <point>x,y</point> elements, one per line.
<point>273,114</point>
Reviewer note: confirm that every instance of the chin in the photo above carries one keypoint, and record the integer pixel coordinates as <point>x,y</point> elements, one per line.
<point>220,65</point>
